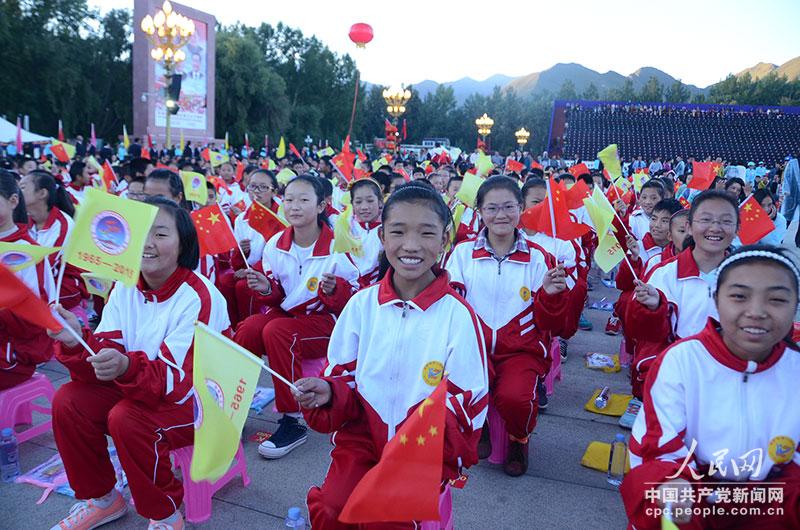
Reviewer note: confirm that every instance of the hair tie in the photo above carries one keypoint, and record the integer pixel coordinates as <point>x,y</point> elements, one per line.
<point>774,256</point>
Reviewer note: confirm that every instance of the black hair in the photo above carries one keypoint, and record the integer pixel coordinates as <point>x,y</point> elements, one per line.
<point>384,179</point>
<point>267,172</point>
<point>532,183</point>
<point>414,192</point>
<point>564,176</point>
<point>367,183</point>
<point>57,196</point>
<point>76,169</point>
<point>500,182</point>
<point>454,179</point>
<point>780,251</point>
<point>8,187</point>
<point>420,182</point>
<point>654,184</point>
<point>327,187</point>
<point>319,191</point>
<point>707,196</point>
<point>677,215</point>
<point>736,180</point>
<point>189,248</point>
<point>138,166</point>
<point>762,194</point>
<point>672,206</point>
<point>587,178</point>
<point>174,182</point>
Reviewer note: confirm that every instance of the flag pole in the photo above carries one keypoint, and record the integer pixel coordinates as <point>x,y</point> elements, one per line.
<point>624,255</point>
<point>242,252</point>
<point>77,336</point>
<point>60,276</point>
<point>616,190</point>
<point>552,210</point>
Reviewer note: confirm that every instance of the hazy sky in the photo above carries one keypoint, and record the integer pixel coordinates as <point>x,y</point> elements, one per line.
<point>698,41</point>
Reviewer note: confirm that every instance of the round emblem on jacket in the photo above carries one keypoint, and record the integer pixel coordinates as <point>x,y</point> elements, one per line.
<point>781,449</point>
<point>432,372</point>
<point>312,284</point>
<point>525,294</point>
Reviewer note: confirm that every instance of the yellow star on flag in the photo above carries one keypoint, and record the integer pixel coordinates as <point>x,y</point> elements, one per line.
<point>421,409</point>
<point>433,430</point>
<point>748,207</point>
<point>420,440</point>
<point>213,218</point>
<point>403,439</point>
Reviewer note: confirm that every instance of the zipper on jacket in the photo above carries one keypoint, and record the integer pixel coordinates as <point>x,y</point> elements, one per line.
<point>405,310</point>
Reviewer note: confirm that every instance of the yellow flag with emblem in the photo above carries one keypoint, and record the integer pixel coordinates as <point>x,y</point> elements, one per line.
<point>126,141</point>
<point>483,165</point>
<point>469,189</point>
<point>610,159</point>
<point>225,378</point>
<point>281,151</point>
<point>285,176</point>
<point>109,235</point>
<point>215,158</point>
<point>328,151</point>
<point>97,285</point>
<point>194,187</point>
<point>343,239</point>
<point>609,252</point>
<point>18,256</point>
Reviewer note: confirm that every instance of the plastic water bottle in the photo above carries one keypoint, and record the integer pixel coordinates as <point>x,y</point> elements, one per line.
<point>294,519</point>
<point>9,455</point>
<point>601,401</point>
<point>617,460</point>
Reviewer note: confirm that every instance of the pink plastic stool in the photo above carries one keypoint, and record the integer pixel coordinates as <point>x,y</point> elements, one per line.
<point>498,436</point>
<point>311,368</point>
<point>16,405</point>
<point>555,368</point>
<point>624,357</point>
<point>197,495</point>
<point>445,513</point>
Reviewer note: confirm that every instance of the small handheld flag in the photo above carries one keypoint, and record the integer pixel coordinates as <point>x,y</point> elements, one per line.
<point>18,256</point>
<point>195,187</point>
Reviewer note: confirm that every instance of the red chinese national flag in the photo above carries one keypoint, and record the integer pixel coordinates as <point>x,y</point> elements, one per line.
<point>213,232</point>
<point>17,298</point>
<point>538,217</point>
<point>109,177</point>
<point>344,163</point>
<point>614,193</point>
<point>512,166</point>
<point>536,165</point>
<point>404,484</point>
<point>60,153</point>
<point>576,194</point>
<point>579,169</point>
<point>294,151</point>
<point>239,170</point>
<point>361,155</point>
<point>755,223</point>
<point>702,176</point>
<point>262,220</point>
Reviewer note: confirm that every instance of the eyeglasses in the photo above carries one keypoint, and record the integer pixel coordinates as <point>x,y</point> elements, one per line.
<point>493,209</point>
<point>259,189</point>
<point>726,224</point>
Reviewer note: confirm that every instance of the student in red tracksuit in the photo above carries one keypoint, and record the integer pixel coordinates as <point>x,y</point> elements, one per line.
<point>262,187</point>
<point>22,345</point>
<point>716,422</point>
<point>676,300</point>
<point>50,210</point>
<point>512,285</point>
<point>138,388</point>
<point>305,286</point>
<point>376,379</point>
<point>366,197</point>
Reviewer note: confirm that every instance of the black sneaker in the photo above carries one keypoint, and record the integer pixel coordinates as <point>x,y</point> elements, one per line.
<point>541,391</point>
<point>516,463</point>
<point>562,348</point>
<point>289,435</point>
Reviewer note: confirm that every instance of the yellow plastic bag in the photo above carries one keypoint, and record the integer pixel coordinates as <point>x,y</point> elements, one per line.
<point>617,404</point>
<point>597,456</point>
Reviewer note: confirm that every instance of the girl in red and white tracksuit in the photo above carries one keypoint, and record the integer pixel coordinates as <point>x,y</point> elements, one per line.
<point>375,379</point>
<point>366,199</point>
<point>716,425</point>
<point>138,389</point>
<point>513,286</point>
<point>262,187</point>
<point>22,344</point>
<point>676,300</point>
<point>50,211</point>
<point>305,287</point>
<point>81,175</point>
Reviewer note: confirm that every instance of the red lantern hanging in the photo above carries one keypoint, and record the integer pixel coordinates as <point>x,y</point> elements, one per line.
<point>361,34</point>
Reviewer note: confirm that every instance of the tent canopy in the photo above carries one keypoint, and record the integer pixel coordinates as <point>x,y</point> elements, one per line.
<point>8,134</point>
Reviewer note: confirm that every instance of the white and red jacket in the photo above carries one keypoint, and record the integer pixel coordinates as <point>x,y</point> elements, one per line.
<point>648,248</point>
<point>76,192</point>
<point>387,355</point>
<point>295,284</point>
<point>639,223</point>
<point>686,302</point>
<point>54,233</point>
<point>507,296</point>
<point>242,231</point>
<point>367,264</point>
<point>155,329</point>
<point>698,391</point>
<point>470,224</point>
<point>229,198</point>
<point>39,277</point>
<point>565,252</point>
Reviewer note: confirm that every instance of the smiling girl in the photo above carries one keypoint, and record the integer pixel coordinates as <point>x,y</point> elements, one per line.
<point>304,287</point>
<point>22,345</point>
<point>512,285</point>
<point>375,380</point>
<point>677,298</point>
<point>367,200</point>
<point>720,397</point>
<point>138,388</point>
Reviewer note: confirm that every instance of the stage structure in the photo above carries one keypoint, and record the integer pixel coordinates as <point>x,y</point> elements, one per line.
<point>195,117</point>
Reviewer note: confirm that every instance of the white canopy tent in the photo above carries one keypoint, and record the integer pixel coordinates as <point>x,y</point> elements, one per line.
<point>8,134</point>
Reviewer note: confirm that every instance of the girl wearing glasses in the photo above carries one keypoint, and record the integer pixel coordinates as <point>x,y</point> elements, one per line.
<point>233,283</point>
<point>677,299</point>
<point>513,286</point>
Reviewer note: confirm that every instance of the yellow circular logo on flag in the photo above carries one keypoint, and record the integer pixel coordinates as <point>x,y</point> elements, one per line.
<point>432,373</point>
<point>312,284</point>
<point>525,294</point>
<point>781,449</point>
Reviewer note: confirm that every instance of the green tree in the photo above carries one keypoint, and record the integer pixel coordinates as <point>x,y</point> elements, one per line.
<point>567,90</point>
<point>678,93</point>
<point>591,93</point>
<point>624,93</point>
<point>652,91</point>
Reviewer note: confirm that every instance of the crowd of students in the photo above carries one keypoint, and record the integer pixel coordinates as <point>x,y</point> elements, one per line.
<point>467,292</point>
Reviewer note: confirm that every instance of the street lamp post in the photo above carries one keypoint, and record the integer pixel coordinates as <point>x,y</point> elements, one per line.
<point>484,124</point>
<point>396,99</point>
<point>168,32</point>
<point>522,137</point>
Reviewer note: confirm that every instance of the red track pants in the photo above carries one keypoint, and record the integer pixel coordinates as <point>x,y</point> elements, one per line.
<point>513,391</point>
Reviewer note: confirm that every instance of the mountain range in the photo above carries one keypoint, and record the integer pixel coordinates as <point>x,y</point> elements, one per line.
<point>581,76</point>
